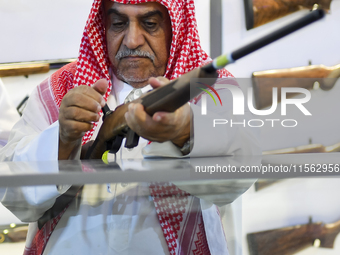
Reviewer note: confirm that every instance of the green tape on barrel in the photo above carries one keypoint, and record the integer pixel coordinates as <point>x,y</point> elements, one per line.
<point>222,61</point>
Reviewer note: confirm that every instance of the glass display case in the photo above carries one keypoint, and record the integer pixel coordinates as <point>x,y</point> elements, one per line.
<point>122,207</point>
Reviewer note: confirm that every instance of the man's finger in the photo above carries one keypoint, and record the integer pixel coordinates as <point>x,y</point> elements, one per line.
<point>164,118</point>
<point>158,82</point>
<point>100,86</point>
<point>75,128</point>
<point>137,119</point>
<point>88,102</point>
<point>137,114</point>
<point>81,115</point>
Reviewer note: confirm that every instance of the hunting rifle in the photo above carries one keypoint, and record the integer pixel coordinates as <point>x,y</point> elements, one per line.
<point>28,68</point>
<point>259,12</point>
<point>289,240</point>
<point>310,148</point>
<point>303,77</point>
<point>177,92</point>
<point>13,233</point>
<point>264,183</point>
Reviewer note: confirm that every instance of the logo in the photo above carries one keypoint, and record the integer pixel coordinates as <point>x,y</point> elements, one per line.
<point>213,90</point>
<point>239,102</point>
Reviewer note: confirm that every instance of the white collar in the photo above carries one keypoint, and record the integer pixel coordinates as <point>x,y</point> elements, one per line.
<point>121,89</point>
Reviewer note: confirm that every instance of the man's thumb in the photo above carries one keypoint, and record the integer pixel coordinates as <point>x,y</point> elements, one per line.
<point>158,82</point>
<point>101,86</point>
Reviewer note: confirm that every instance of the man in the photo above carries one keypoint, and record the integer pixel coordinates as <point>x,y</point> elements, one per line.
<point>138,47</point>
<point>125,43</point>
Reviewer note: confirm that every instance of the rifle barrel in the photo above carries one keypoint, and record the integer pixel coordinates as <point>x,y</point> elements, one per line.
<point>313,16</point>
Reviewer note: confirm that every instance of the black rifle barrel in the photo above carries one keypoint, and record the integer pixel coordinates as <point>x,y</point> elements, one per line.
<point>286,30</point>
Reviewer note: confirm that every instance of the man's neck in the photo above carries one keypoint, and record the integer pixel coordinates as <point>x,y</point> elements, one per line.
<point>138,85</point>
<point>121,89</point>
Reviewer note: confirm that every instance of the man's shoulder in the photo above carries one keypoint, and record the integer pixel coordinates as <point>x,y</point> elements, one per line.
<point>61,81</point>
<point>63,78</point>
<point>69,69</point>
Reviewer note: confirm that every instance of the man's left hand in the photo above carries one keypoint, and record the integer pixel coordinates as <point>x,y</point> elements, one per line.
<point>162,126</point>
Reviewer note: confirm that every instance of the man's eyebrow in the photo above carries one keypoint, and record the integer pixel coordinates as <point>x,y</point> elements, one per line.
<point>115,11</point>
<point>150,14</point>
<point>144,15</point>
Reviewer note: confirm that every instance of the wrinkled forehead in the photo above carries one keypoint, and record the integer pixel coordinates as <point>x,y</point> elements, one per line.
<point>133,1</point>
<point>136,2</point>
<point>135,8</point>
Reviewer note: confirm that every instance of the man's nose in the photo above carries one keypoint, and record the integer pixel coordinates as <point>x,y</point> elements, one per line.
<point>134,36</point>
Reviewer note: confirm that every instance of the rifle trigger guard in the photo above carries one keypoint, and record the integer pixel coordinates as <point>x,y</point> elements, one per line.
<point>132,139</point>
<point>115,144</point>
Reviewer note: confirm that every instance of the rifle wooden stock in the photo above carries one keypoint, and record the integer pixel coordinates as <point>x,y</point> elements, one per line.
<point>301,77</point>
<point>289,240</point>
<point>310,148</point>
<point>23,69</point>
<point>13,235</point>
<point>259,12</point>
<point>28,68</point>
<point>166,99</point>
<point>262,184</point>
<point>18,234</point>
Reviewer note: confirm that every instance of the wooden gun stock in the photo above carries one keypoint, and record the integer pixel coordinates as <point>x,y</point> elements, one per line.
<point>12,234</point>
<point>262,184</point>
<point>23,69</point>
<point>289,240</point>
<point>310,148</point>
<point>260,12</point>
<point>300,77</point>
<point>28,68</point>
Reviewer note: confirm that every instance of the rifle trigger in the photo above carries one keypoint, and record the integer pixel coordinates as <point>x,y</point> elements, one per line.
<point>106,111</point>
<point>132,139</point>
<point>114,144</point>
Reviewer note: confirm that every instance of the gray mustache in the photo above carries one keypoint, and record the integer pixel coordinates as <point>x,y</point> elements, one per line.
<point>133,53</point>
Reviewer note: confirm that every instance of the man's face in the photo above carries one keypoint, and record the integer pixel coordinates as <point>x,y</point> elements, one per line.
<point>138,40</point>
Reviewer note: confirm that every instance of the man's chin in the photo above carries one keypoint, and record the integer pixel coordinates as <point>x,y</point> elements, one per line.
<point>138,85</point>
<point>133,80</point>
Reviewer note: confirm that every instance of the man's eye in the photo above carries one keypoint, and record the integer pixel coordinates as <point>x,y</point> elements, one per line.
<point>118,24</point>
<point>150,25</point>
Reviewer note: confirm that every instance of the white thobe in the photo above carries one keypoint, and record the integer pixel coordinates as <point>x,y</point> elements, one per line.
<point>8,115</point>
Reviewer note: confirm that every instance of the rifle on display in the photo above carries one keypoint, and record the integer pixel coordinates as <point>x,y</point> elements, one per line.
<point>289,240</point>
<point>308,77</point>
<point>264,183</point>
<point>310,148</point>
<point>13,233</point>
<point>260,12</point>
<point>178,92</point>
<point>28,68</point>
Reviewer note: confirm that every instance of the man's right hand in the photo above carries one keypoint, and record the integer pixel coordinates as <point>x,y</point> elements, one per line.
<point>78,110</point>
